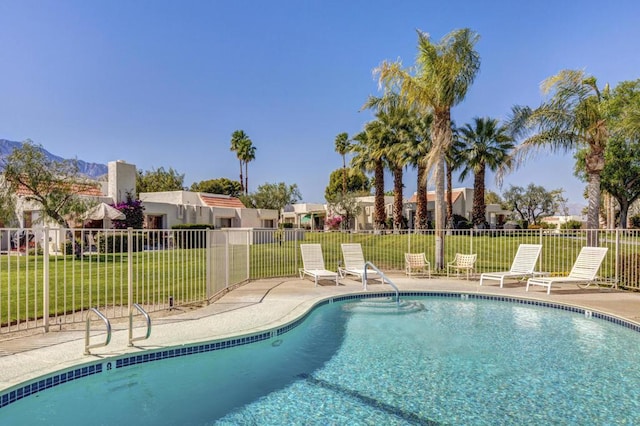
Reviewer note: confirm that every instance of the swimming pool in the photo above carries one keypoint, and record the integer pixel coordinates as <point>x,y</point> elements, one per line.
<point>461,360</point>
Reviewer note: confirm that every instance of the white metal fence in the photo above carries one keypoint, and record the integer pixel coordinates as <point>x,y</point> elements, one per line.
<point>53,276</point>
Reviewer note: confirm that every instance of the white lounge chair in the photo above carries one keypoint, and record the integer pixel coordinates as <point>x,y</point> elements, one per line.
<point>522,267</point>
<point>354,262</point>
<point>313,263</point>
<point>583,272</point>
<point>416,264</point>
<point>462,262</point>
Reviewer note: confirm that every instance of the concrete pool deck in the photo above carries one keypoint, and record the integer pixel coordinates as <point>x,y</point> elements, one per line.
<point>256,306</point>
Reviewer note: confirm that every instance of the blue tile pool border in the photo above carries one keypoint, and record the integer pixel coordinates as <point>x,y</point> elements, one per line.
<point>35,386</point>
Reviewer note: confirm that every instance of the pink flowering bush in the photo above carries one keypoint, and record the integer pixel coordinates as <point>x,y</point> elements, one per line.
<point>334,222</point>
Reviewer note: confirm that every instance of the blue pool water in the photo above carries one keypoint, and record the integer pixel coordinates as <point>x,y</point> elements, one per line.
<point>454,362</point>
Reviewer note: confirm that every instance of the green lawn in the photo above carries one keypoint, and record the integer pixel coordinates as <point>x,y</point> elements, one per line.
<point>101,280</point>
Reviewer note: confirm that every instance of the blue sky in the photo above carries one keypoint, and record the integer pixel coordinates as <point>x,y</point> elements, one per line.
<point>165,83</point>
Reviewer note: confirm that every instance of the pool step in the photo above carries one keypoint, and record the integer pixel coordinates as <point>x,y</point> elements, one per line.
<point>384,305</point>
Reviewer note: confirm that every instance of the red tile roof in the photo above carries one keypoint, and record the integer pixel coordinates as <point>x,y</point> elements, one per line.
<point>88,189</point>
<point>221,201</point>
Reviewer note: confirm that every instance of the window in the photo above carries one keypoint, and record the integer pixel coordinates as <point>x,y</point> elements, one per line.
<point>268,223</point>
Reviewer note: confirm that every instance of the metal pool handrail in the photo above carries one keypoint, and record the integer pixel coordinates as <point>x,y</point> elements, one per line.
<point>87,346</point>
<point>147,318</point>
<point>383,277</point>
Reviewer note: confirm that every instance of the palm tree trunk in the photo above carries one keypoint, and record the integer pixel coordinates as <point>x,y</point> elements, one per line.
<point>397,198</point>
<point>241,181</point>
<point>449,221</point>
<point>379,215</point>
<point>344,177</point>
<point>593,209</point>
<point>246,177</point>
<point>421,202</point>
<point>479,209</point>
<point>441,137</point>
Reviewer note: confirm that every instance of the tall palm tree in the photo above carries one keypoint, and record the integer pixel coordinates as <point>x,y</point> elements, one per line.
<point>573,116</point>
<point>440,79</point>
<point>238,139</point>
<point>369,157</point>
<point>486,144</point>
<point>248,154</point>
<point>396,129</point>
<point>342,145</point>
<point>417,151</point>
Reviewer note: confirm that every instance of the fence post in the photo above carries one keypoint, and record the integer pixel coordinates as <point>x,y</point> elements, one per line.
<point>45,280</point>
<point>471,239</point>
<point>209,251</point>
<point>130,270</point>
<point>248,263</point>
<point>615,259</point>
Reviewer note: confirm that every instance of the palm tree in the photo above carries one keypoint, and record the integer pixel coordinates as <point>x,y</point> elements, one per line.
<point>396,129</point>
<point>248,154</point>
<point>486,144</point>
<point>574,116</point>
<point>342,145</point>
<point>238,139</point>
<point>443,73</point>
<point>418,149</point>
<point>369,157</point>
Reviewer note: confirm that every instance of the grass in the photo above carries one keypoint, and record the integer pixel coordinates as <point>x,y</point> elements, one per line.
<point>100,280</point>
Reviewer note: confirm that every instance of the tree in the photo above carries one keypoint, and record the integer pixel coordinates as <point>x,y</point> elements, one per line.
<point>486,145</point>
<point>247,154</point>
<point>368,156</point>
<point>221,186</point>
<point>239,139</point>
<point>491,197</point>
<point>620,176</point>
<point>533,203</point>
<point>440,79</point>
<point>394,130</point>
<point>342,145</point>
<point>417,150</point>
<point>357,183</point>
<point>275,196</point>
<point>573,117</point>
<point>54,186</point>
<point>159,180</point>
<point>347,207</point>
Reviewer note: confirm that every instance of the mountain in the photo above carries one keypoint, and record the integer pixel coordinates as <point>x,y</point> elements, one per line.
<point>92,170</point>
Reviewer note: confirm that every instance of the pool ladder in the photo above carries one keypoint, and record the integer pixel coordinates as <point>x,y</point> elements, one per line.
<point>383,277</point>
<point>87,336</point>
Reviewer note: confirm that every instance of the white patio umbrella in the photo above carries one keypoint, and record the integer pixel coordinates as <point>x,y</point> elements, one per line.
<point>103,211</point>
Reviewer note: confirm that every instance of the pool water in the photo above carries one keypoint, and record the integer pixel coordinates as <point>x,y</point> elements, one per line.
<point>454,362</point>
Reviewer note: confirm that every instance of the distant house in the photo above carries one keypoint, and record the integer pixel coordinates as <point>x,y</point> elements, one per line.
<point>305,215</point>
<point>165,209</point>
<point>162,209</point>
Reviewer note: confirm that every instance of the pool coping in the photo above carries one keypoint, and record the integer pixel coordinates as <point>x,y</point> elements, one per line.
<point>297,314</point>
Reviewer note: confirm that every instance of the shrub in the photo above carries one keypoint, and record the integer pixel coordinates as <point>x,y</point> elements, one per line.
<point>286,225</point>
<point>571,224</point>
<point>191,235</point>
<point>120,243</point>
<point>634,221</point>
<point>334,222</point>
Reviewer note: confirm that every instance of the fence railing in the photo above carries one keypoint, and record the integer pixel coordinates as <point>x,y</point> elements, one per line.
<point>54,276</point>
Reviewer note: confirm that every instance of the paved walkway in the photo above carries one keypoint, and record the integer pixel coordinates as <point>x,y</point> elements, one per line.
<point>256,306</point>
